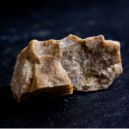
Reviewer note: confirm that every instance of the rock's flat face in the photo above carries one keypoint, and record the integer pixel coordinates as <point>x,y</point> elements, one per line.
<point>58,66</point>
<point>38,69</point>
<point>92,63</point>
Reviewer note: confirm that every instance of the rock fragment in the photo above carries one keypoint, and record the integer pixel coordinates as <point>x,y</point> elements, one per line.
<point>38,69</point>
<point>91,63</point>
<point>56,67</point>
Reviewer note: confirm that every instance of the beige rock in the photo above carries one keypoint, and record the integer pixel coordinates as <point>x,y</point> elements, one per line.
<point>58,66</point>
<point>38,69</point>
<point>92,63</point>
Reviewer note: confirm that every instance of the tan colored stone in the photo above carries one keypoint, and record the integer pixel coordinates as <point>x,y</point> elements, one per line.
<point>58,66</point>
<point>38,69</point>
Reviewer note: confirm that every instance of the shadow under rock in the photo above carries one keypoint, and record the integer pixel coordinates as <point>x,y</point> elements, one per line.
<point>32,105</point>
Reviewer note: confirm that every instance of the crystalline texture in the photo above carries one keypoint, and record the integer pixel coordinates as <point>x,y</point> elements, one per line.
<point>59,66</point>
<point>92,63</point>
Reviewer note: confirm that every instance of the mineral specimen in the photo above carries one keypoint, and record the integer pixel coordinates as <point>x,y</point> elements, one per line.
<point>38,69</point>
<point>91,63</point>
<point>59,66</point>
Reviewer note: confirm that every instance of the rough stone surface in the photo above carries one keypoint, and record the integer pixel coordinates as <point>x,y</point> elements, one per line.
<point>89,64</point>
<point>38,69</point>
<point>103,109</point>
<point>92,63</point>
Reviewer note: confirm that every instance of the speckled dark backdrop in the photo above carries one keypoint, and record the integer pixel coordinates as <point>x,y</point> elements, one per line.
<point>53,19</point>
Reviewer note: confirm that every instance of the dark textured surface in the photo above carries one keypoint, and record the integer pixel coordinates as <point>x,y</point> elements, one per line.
<point>109,108</point>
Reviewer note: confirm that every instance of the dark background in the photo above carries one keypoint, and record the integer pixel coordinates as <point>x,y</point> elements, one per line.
<point>21,21</point>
